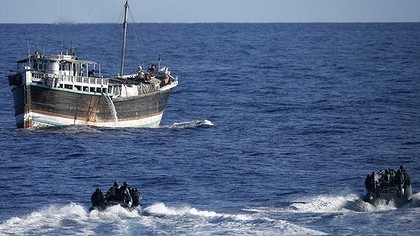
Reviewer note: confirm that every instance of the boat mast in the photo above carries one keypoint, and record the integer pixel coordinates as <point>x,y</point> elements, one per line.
<point>124,39</point>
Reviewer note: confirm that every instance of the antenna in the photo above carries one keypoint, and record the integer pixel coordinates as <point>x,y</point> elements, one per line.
<point>29,53</point>
<point>37,44</point>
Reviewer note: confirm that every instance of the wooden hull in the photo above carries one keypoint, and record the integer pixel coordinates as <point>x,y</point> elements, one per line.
<point>38,105</point>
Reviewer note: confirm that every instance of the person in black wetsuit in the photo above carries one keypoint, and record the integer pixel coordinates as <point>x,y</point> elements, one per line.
<point>402,179</point>
<point>368,183</point>
<point>135,194</point>
<point>113,192</point>
<point>97,198</point>
<point>125,194</point>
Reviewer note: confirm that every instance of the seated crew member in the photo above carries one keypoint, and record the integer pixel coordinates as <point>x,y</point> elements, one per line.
<point>135,194</point>
<point>400,179</point>
<point>97,198</point>
<point>125,194</point>
<point>407,179</point>
<point>374,181</point>
<point>153,68</point>
<point>147,77</point>
<point>91,73</point>
<point>113,192</point>
<point>368,183</point>
<point>165,81</point>
<point>387,176</point>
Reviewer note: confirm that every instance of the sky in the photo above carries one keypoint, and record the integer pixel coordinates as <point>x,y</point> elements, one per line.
<point>195,11</point>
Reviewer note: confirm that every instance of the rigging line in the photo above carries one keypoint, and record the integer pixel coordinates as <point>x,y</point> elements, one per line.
<point>137,36</point>
<point>131,56</point>
<point>144,47</point>
<point>109,53</point>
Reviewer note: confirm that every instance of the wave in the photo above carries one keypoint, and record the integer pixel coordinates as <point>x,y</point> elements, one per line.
<point>75,219</point>
<point>160,209</point>
<point>184,218</point>
<point>416,200</point>
<point>45,221</point>
<point>344,203</point>
<point>190,124</point>
<point>321,203</point>
<point>70,219</point>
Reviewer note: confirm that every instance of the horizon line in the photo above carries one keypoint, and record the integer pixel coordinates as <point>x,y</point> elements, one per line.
<point>217,22</point>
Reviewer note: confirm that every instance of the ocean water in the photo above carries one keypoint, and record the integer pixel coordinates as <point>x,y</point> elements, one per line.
<point>271,131</point>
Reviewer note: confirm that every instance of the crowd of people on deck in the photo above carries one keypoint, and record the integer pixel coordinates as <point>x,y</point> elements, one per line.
<point>125,195</point>
<point>400,178</point>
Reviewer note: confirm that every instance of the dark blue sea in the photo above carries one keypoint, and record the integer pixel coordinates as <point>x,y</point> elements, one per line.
<point>271,131</point>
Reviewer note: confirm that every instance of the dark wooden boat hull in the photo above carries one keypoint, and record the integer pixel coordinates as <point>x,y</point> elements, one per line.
<point>38,105</point>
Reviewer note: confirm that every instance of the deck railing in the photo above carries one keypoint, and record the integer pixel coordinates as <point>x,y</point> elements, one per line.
<point>82,83</point>
<point>81,80</point>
